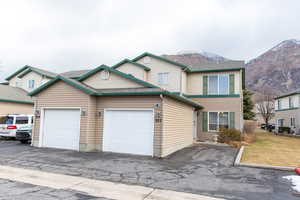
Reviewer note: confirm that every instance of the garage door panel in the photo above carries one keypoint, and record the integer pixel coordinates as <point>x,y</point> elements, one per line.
<point>129,131</point>
<point>61,128</point>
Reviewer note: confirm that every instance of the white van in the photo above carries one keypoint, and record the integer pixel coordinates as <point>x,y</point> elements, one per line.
<point>9,124</point>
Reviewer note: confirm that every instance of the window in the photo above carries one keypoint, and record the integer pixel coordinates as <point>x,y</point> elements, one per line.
<point>218,120</point>
<point>279,104</point>
<point>280,122</point>
<point>218,84</point>
<point>31,84</point>
<point>163,78</point>
<point>293,122</point>
<point>6,120</point>
<point>22,120</point>
<point>291,102</point>
<point>104,74</point>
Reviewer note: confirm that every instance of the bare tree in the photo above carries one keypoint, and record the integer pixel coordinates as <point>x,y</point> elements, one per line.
<point>265,105</point>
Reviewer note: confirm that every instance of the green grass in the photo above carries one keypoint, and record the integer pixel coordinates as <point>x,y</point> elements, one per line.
<point>270,149</point>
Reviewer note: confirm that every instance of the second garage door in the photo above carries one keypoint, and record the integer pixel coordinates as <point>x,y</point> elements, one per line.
<point>61,128</point>
<point>129,131</point>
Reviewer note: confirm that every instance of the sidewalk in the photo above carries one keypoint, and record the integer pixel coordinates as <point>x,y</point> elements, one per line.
<point>94,187</point>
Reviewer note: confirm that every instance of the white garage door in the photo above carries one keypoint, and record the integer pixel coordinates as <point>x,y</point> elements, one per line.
<point>128,131</point>
<point>61,128</point>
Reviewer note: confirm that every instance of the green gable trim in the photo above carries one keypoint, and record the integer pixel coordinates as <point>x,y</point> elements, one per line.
<point>61,78</point>
<point>166,93</point>
<point>16,101</point>
<point>287,95</point>
<point>213,96</point>
<point>162,59</point>
<point>127,76</point>
<point>295,108</point>
<point>37,72</point>
<point>17,72</point>
<point>131,62</point>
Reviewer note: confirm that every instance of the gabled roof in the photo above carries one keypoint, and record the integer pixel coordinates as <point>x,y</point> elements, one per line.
<point>14,95</point>
<point>74,83</point>
<point>126,76</point>
<point>115,92</point>
<point>160,58</point>
<point>75,74</point>
<point>294,92</point>
<point>131,62</point>
<point>27,69</point>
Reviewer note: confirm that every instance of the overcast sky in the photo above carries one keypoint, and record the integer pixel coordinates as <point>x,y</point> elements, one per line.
<point>62,35</point>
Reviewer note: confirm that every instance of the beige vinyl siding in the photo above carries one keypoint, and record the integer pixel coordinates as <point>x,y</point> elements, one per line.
<point>114,81</point>
<point>134,70</point>
<point>184,82</point>
<point>147,102</point>
<point>61,95</point>
<point>177,126</point>
<point>158,66</point>
<point>287,115</point>
<point>15,108</point>
<point>195,82</point>
<point>219,105</point>
<point>38,81</point>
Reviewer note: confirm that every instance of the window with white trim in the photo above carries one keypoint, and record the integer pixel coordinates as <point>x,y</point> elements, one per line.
<point>293,122</point>
<point>104,74</point>
<point>31,84</point>
<point>280,122</point>
<point>218,120</point>
<point>279,104</point>
<point>163,78</point>
<point>218,84</point>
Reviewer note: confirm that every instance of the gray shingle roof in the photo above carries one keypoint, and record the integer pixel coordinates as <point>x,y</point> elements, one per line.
<point>77,73</point>
<point>231,64</point>
<point>9,93</point>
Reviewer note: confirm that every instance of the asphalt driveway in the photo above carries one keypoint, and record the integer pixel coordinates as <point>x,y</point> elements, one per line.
<point>205,170</point>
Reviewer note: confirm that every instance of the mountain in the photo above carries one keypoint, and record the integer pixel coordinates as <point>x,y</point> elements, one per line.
<point>194,58</point>
<point>277,68</point>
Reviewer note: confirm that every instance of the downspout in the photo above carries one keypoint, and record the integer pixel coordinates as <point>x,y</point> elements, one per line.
<point>161,125</point>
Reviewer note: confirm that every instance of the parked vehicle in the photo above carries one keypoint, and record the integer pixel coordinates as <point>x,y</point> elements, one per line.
<point>11,123</point>
<point>263,126</point>
<point>24,134</point>
<point>271,127</point>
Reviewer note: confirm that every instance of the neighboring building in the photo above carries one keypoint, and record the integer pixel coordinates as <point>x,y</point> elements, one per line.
<point>287,111</point>
<point>149,106</point>
<point>14,97</point>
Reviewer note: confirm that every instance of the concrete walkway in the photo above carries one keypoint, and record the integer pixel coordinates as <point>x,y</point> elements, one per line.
<point>94,187</point>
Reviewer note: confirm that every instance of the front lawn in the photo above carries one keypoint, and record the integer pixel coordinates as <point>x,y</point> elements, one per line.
<point>270,149</point>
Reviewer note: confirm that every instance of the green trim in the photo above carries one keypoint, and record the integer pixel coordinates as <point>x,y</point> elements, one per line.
<point>217,70</point>
<point>16,101</point>
<point>35,71</point>
<point>231,120</point>
<point>166,93</point>
<point>205,85</point>
<point>231,84</point>
<point>131,62</point>
<point>213,96</point>
<point>61,78</point>
<point>127,76</point>
<point>162,59</point>
<point>205,121</point>
<point>17,72</point>
<point>295,108</point>
<point>243,78</point>
<point>287,95</point>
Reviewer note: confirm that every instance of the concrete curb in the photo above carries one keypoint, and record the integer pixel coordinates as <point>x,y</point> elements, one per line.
<point>238,157</point>
<point>237,162</point>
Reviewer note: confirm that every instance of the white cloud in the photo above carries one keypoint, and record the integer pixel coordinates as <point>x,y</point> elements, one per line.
<point>62,35</point>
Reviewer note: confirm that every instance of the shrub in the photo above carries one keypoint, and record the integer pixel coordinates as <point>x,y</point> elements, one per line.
<point>249,126</point>
<point>228,135</point>
<point>283,129</point>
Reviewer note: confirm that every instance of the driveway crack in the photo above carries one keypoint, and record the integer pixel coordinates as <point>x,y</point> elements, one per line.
<point>149,194</point>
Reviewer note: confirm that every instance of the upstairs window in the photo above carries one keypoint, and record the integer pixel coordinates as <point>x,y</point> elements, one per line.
<point>31,84</point>
<point>104,75</point>
<point>279,104</point>
<point>163,78</point>
<point>218,84</point>
<point>291,102</point>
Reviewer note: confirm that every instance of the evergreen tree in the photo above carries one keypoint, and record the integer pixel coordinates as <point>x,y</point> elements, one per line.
<point>248,105</point>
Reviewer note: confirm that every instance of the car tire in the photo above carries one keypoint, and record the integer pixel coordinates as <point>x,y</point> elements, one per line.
<point>24,141</point>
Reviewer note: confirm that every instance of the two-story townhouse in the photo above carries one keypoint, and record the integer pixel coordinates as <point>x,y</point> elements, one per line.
<point>218,87</point>
<point>287,111</point>
<point>14,97</point>
<point>149,105</point>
